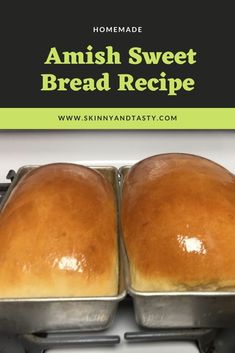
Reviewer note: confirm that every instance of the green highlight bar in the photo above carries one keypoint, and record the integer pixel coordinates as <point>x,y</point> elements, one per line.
<point>116,118</point>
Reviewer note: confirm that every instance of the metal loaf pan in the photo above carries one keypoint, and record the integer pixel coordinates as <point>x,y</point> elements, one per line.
<point>31,315</point>
<point>178,309</point>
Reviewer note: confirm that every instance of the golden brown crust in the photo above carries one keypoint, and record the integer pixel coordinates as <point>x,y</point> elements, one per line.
<point>178,221</point>
<point>58,235</point>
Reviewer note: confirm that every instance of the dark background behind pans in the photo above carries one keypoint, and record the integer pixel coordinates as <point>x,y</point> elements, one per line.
<point>29,29</point>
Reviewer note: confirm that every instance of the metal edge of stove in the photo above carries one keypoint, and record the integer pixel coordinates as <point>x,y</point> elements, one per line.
<point>192,309</point>
<point>205,338</point>
<point>38,344</point>
<point>30,315</point>
<point>217,340</point>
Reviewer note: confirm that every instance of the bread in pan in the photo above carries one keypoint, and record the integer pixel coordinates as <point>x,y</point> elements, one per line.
<point>58,235</point>
<point>178,223</point>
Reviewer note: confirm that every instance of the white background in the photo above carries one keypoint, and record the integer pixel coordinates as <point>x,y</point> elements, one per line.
<point>114,148</point>
<point>119,147</point>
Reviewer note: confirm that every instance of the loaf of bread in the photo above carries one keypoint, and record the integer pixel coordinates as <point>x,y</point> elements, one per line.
<point>58,235</point>
<point>178,223</point>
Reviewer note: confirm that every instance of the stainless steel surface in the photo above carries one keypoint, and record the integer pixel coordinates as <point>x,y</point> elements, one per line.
<point>178,309</point>
<point>28,315</point>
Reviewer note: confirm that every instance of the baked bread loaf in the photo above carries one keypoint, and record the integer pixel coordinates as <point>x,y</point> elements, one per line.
<point>178,223</point>
<point>58,235</point>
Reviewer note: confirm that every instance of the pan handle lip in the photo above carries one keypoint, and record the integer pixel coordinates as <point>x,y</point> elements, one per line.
<point>112,299</point>
<point>11,175</point>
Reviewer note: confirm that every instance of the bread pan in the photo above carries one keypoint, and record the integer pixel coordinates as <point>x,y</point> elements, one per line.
<point>30,315</point>
<point>178,309</point>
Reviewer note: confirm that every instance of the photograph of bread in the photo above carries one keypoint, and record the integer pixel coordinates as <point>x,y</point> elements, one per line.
<point>178,224</point>
<point>58,235</point>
